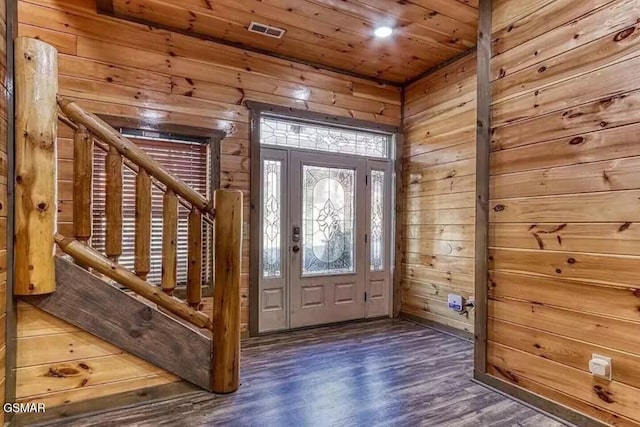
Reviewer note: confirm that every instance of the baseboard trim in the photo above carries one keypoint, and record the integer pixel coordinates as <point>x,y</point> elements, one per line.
<point>467,336</point>
<point>107,403</point>
<point>556,411</point>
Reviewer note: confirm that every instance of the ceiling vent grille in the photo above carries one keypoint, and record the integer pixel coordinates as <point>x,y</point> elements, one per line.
<point>266,30</point>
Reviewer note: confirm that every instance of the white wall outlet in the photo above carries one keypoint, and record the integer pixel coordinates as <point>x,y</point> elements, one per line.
<point>455,302</point>
<point>600,366</point>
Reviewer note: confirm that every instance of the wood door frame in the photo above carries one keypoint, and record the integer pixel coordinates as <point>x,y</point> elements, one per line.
<point>256,109</point>
<point>11,332</point>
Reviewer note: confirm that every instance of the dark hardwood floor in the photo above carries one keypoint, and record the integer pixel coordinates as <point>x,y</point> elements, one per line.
<point>382,373</point>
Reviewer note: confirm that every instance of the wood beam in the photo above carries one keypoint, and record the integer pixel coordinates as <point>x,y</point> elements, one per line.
<point>483,147</point>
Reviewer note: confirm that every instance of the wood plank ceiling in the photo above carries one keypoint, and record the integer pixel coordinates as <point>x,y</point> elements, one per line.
<point>336,34</point>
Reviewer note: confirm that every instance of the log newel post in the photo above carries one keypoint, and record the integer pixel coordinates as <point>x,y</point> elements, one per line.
<point>225,375</point>
<point>36,125</point>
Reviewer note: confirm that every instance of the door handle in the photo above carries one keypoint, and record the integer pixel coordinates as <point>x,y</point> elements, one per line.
<point>296,249</point>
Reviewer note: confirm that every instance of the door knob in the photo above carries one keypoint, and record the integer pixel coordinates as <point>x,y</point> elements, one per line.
<point>296,249</point>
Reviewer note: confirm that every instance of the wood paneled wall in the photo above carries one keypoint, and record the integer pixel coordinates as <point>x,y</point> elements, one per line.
<point>439,193</point>
<point>4,99</point>
<point>118,68</point>
<point>565,202</point>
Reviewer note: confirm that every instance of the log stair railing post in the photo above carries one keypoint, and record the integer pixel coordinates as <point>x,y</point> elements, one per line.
<point>225,375</point>
<point>36,124</point>
<point>194,259</point>
<point>82,184</point>
<point>142,248</point>
<point>113,196</point>
<point>169,241</point>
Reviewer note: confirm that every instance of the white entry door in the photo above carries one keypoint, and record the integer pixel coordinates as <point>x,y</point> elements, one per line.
<point>327,238</point>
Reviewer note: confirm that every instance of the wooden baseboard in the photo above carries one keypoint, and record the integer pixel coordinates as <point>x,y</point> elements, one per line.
<point>468,336</point>
<point>536,402</point>
<point>107,403</point>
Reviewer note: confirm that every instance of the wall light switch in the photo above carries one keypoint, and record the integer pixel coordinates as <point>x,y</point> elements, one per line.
<point>600,366</point>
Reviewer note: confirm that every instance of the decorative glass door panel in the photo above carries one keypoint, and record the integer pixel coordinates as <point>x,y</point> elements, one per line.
<point>328,207</point>
<point>274,251</point>
<point>327,274</point>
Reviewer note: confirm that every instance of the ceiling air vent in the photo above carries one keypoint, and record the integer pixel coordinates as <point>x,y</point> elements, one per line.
<point>266,30</point>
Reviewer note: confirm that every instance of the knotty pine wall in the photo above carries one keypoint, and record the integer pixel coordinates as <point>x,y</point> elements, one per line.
<point>4,97</point>
<point>124,69</point>
<point>439,193</point>
<point>565,202</point>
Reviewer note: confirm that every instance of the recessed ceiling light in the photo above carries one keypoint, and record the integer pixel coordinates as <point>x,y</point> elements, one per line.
<point>383,32</point>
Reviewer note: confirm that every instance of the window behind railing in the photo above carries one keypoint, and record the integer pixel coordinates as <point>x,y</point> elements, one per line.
<point>189,162</point>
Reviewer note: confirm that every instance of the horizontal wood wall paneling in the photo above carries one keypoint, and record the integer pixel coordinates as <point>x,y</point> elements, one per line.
<point>606,113</point>
<point>564,188</point>
<point>591,147</point>
<point>546,19</point>
<point>584,207</point>
<point>594,298</point>
<point>612,333</point>
<point>589,415</point>
<point>439,189</point>
<point>616,174</point>
<point>443,186</point>
<point>506,12</point>
<point>87,372</point>
<point>423,233</point>
<point>616,17</point>
<point>572,353</point>
<point>441,172</point>
<point>607,237</point>
<point>577,91</point>
<point>618,270</point>
<point>609,50</point>
<point>565,379</point>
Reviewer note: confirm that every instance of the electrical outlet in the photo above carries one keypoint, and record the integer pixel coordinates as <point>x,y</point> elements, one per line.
<point>600,366</point>
<point>456,302</point>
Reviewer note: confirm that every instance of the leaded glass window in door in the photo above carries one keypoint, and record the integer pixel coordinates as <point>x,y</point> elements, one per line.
<point>272,219</point>
<point>377,221</point>
<point>328,216</point>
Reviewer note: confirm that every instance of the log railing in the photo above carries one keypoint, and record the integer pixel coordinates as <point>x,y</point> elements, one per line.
<point>36,186</point>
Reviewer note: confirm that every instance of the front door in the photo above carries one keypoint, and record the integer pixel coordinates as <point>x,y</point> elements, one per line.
<point>327,238</point>
<point>325,233</point>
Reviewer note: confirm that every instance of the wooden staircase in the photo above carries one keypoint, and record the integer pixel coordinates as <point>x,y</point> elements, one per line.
<point>86,289</point>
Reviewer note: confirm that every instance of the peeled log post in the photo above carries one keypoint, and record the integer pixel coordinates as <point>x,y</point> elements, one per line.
<point>225,375</point>
<point>169,241</point>
<point>142,248</point>
<point>88,256</point>
<point>82,184</point>
<point>36,126</point>
<point>194,260</point>
<point>113,201</point>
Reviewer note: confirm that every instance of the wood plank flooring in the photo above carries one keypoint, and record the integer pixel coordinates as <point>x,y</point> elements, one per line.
<point>382,373</point>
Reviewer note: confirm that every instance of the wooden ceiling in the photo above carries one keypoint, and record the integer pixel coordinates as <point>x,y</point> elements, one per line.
<point>336,34</point>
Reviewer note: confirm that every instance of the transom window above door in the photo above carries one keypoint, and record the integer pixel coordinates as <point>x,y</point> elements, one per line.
<point>278,131</point>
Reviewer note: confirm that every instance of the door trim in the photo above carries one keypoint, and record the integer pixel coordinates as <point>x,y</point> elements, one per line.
<point>256,109</point>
